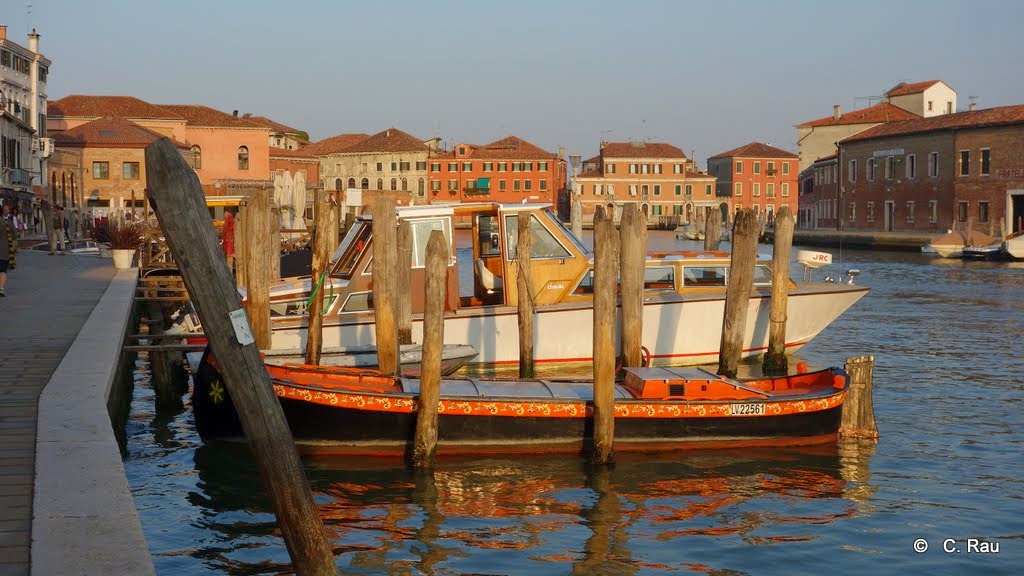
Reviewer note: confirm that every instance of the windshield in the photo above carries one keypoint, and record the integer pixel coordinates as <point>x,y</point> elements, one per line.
<point>350,248</point>
<point>576,241</point>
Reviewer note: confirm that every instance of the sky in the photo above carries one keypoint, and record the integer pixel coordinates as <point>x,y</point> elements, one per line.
<point>703,76</point>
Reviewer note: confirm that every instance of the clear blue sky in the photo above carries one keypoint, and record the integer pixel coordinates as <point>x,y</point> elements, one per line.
<point>705,76</point>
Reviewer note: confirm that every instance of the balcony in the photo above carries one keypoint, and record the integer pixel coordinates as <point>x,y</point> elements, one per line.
<point>771,172</point>
<point>480,187</point>
<point>18,177</point>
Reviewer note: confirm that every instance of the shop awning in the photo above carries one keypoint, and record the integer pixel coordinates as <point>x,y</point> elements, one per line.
<point>484,183</point>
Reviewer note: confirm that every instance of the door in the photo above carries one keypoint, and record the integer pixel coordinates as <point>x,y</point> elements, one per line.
<point>1016,211</point>
<point>890,214</point>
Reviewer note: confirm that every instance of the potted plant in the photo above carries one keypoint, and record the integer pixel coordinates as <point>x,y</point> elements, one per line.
<point>124,239</point>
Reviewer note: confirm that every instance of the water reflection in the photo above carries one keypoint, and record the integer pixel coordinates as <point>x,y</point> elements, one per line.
<point>498,515</point>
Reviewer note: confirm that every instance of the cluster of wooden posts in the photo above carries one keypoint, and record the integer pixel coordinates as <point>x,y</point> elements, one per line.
<point>178,202</point>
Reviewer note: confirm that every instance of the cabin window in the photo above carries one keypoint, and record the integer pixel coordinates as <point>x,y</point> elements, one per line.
<point>357,302</point>
<point>297,307</point>
<point>586,285</point>
<point>542,242</point>
<point>704,276</point>
<point>762,277</point>
<point>421,230</point>
<point>351,247</point>
<point>489,239</point>
<point>660,278</point>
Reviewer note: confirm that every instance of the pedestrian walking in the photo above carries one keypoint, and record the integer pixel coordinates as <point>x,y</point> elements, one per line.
<point>8,249</point>
<point>67,224</point>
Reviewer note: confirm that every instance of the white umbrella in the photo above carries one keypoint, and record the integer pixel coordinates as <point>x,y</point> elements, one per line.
<point>299,202</point>
<point>282,198</point>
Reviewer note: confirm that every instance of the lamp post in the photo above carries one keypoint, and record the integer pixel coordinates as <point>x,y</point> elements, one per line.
<point>575,203</point>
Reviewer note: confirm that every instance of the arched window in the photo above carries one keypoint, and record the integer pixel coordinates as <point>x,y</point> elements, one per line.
<point>197,157</point>
<point>405,184</point>
<point>243,158</point>
<point>351,182</point>
<point>422,187</point>
<point>337,184</point>
<point>394,184</point>
<point>380,183</point>
<point>366,184</point>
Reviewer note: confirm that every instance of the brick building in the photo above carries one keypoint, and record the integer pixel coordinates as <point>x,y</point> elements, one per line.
<point>757,176</point>
<point>931,173</point>
<point>819,195</point>
<point>509,170</point>
<point>111,160</point>
<point>654,174</point>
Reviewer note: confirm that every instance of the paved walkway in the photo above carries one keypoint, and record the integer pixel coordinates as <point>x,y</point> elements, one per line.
<point>49,298</point>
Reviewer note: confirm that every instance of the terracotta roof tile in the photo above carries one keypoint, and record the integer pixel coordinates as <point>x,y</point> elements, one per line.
<point>756,150</point>
<point>197,115</point>
<point>881,112</point>
<point>692,174</point>
<point>591,174</point>
<point>902,89</point>
<point>390,140</point>
<point>283,153</point>
<point>511,147</point>
<point>334,144</point>
<point>107,106</point>
<point>108,133</point>
<point>641,150</point>
<point>274,126</point>
<point>960,120</point>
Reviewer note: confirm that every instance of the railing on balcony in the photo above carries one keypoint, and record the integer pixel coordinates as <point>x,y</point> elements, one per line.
<point>770,171</point>
<point>17,176</point>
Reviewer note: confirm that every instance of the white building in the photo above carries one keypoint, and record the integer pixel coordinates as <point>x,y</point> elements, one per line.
<point>24,148</point>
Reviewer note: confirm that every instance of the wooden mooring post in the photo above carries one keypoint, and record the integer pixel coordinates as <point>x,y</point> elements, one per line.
<point>576,217</point>
<point>275,242</point>
<point>425,443</point>
<point>241,222</point>
<point>167,376</point>
<point>858,408</point>
<point>403,285</point>
<point>321,256</point>
<point>524,283</point>
<point>713,230</point>
<point>385,255</point>
<point>775,360</point>
<point>737,293</point>
<point>606,266</point>
<point>181,210</point>
<point>257,267</point>
<point>632,254</point>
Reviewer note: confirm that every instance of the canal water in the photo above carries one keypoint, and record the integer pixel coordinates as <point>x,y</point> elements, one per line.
<point>947,339</point>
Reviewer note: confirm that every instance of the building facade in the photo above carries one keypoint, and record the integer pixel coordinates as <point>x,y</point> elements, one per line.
<point>934,174</point>
<point>23,144</point>
<point>281,136</point>
<point>819,195</point>
<point>757,176</point>
<point>510,170</point>
<point>389,161</point>
<point>657,175</point>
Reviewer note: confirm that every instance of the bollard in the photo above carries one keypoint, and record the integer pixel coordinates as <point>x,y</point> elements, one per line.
<point>737,294</point>
<point>858,408</point>
<point>775,361</point>
<point>713,230</point>
<point>425,443</point>
<point>632,253</point>
<point>606,255</point>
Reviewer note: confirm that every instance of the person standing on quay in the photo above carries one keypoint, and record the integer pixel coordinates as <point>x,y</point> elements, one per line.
<point>49,227</point>
<point>8,249</point>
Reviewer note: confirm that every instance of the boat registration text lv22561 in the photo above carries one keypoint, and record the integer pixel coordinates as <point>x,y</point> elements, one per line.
<point>752,409</point>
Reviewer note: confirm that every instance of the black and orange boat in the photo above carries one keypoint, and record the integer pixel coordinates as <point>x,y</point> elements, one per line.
<point>338,410</point>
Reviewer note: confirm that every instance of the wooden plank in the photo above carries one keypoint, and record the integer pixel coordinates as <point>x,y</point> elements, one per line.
<point>162,298</point>
<point>737,294</point>
<point>425,444</point>
<point>181,209</point>
<point>524,282</point>
<point>164,336</point>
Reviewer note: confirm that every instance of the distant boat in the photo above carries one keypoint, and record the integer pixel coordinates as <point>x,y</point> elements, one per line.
<point>951,244</point>
<point>1014,245</point>
<point>689,232</point>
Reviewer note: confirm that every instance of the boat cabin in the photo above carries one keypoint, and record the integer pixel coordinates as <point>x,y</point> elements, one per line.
<point>485,257</point>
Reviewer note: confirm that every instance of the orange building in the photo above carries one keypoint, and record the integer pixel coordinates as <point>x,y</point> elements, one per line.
<point>656,175</point>
<point>508,170</point>
<point>757,176</point>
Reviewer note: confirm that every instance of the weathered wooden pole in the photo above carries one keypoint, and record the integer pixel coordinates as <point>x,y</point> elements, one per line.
<point>576,217</point>
<point>775,360</point>
<point>333,225</point>
<point>737,293</point>
<point>713,230</point>
<point>425,443</point>
<point>160,366</point>
<point>181,210</point>
<point>321,256</point>
<point>350,219</point>
<point>385,255</point>
<point>858,407</point>
<point>633,255</point>
<point>257,267</point>
<point>606,266</point>
<point>524,281</point>
<point>275,242</point>
<point>404,282</point>
<point>241,248</point>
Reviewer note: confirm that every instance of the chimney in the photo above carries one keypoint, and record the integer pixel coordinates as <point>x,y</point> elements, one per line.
<point>235,113</point>
<point>836,113</point>
<point>561,152</point>
<point>972,106</point>
<point>3,31</point>
<point>33,41</point>
<point>603,144</point>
